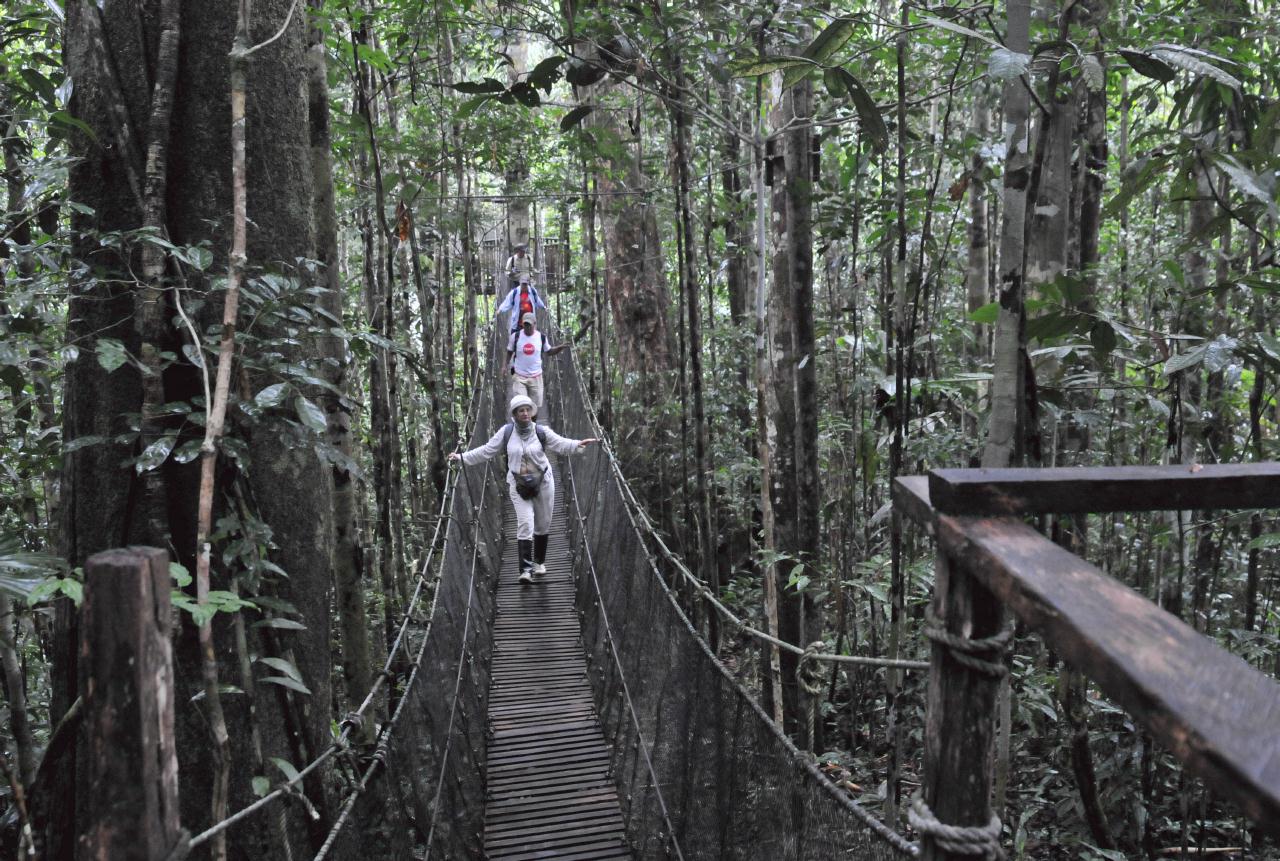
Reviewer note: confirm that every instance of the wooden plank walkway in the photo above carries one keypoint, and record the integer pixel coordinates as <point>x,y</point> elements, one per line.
<point>551,794</point>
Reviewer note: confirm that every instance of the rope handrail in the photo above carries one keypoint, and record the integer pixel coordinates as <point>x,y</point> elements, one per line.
<point>354,719</point>
<point>635,509</point>
<point>881,830</point>
<point>613,649</point>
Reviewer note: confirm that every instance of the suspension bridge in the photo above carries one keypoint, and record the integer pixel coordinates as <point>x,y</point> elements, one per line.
<point>583,717</point>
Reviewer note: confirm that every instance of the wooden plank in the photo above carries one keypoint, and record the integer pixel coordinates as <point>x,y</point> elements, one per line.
<point>1080,490</point>
<point>1211,709</point>
<point>911,497</point>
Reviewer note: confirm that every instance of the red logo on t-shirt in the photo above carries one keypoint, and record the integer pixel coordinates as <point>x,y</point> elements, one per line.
<point>528,348</point>
<point>526,304</point>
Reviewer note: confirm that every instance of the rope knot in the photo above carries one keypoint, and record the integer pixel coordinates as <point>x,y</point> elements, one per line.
<point>808,672</point>
<point>983,655</point>
<point>980,840</point>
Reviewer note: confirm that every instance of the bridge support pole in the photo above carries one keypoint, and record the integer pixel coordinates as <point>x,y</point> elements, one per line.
<point>955,821</point>
<point>128,760</point>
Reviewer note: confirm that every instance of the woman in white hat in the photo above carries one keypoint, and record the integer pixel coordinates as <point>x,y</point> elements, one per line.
<point>530,481</point>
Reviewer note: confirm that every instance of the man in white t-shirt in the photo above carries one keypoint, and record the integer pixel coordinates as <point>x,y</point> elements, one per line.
<point>525,350</point>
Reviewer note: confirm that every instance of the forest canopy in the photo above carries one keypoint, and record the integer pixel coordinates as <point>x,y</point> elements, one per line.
<point>249,264</point>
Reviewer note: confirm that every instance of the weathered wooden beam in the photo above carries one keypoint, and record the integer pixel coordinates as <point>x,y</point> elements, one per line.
<point>1080,490</point>
<point>1210,708</point>
<point>128,755</point>
<point>911,497</point>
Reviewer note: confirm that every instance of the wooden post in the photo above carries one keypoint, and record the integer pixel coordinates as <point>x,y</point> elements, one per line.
<point>128,757</point>
<point>959,729</point>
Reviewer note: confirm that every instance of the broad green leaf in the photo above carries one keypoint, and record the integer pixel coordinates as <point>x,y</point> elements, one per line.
<point>280,624</point>
<point>188,451</point>
<point>283,666</point>
<point>574,117</point>
<point>310,414</point>
<point>1148,66</point>
<point>290,773</point>
<point>1183,361</point>
<point>180,574</point>
<point>871,122</point>
<point>111,354</point>
<point>988,313</point>
<point>1103,337</point>
<point>271,396</point>
<point>286,682</point>
<point>754,68</point>
<point>1005,65</point>
<point>1186,60</point>
<point>1095,77</point>
<point>67,122</point>
<point>830,40</point>
<point>956,28</point>
<point>1262,542</point>
<point>155,454</point>
<point>546,73</point>
<point>488,86</point>
<point>1246,180</point>
<point>82,442</point>
<point>261,786</point>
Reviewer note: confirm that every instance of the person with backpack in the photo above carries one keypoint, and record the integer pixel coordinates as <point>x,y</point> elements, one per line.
<point>523,297</point>
<point>530,481</point>
<point>525,349</point>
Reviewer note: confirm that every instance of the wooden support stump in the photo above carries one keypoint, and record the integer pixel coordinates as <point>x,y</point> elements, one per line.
<point>128,758</point>
<point>960,725</point>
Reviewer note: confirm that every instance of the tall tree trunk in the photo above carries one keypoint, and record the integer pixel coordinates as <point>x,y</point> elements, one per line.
<point>111,53</point>
<point>794,391</point>
<point>1004,431</point>
<point>348,553</point>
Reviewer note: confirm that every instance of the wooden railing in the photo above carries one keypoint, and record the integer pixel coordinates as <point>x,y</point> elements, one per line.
<point>1217,714</point>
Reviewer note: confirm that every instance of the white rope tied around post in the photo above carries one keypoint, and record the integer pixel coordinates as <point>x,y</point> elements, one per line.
<point>980,840</point>
<point>968,652</point>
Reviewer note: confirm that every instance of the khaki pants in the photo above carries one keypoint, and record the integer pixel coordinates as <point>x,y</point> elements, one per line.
<point>530,387</point>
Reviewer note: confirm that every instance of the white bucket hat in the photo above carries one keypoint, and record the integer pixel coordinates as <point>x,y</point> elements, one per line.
<point>519,401</point>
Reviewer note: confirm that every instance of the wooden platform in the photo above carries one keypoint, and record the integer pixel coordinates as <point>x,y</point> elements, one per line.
<point>550,791</point>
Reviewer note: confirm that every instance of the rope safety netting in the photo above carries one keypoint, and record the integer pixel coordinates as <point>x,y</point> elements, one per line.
<point>702,771</point>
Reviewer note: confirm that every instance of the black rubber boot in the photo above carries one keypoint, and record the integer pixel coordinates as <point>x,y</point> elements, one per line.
<point>540,553</point>
<point>525,547</point>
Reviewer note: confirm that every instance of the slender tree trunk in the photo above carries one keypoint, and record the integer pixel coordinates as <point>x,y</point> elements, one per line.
<point>1008,383</point>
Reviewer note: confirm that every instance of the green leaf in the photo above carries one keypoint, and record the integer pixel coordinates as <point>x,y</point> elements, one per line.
<point>271,396</point>
<point>1148,66</point>
<point>988,313</point>
<point>871,122</point>
<point>286,682</point>
<point>310,414</point>
<point>755,67</point>
<point>574,117</point>
<point>291,774</point>
<point>188,451</point>
<point>82,442</point>
<point>280,624</point>
<point>1184,361</point>
<point>956,28</point>
<point>261,786</point>
<point>546,73</point>
<point>830,40</point>
<point>1262,542</point>
<point>180,574</point>
<point>283,666</point>
<point>1103,337</point>
<point>1005,65</point>
<point>155,454</point>
<point>111,354</point>
<point>65,123</point>
<point>488,86</point>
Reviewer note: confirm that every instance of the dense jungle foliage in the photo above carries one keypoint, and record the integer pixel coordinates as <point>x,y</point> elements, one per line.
<point>799,250</point>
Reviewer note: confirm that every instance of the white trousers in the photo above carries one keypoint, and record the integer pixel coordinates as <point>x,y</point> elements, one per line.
<point>530,387</point>
<point>533,516</point>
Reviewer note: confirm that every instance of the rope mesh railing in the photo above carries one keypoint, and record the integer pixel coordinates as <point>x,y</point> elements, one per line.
<point>432,751</point>
<point>699,766</point>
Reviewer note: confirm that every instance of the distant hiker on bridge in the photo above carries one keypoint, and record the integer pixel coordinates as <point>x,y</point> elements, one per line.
<point>523,297</point>
<point>525,349</point>
<point>530,482</point>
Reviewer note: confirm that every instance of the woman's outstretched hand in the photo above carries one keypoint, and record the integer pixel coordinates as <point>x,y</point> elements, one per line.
<point>586,442</point>
<point>454,457</point>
